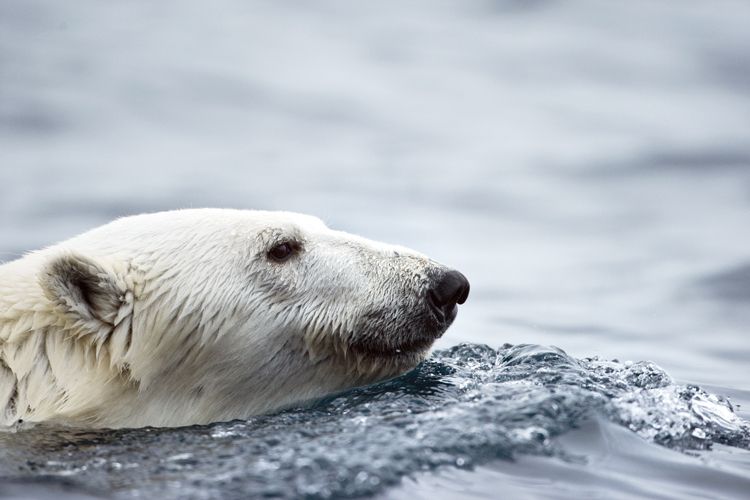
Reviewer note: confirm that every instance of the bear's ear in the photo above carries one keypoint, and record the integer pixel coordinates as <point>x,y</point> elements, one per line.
<point>82,288</point>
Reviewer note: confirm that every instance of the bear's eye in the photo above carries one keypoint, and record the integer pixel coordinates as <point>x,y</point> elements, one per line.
<point>282,251</point>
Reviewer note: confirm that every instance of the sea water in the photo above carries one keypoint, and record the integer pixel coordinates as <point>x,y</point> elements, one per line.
<point>585,164</point>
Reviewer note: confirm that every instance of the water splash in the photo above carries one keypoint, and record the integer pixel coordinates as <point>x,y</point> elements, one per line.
<point>465,406</point>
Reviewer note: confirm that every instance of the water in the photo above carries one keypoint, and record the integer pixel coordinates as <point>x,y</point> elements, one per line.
<point>586,165</point>
<point>466,407</point>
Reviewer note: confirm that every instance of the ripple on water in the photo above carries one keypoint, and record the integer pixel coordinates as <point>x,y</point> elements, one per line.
<point>732,285</point>
<point>465,406</point>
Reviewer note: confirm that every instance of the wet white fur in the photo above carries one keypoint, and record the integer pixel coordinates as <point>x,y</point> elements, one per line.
<point>190,322</point>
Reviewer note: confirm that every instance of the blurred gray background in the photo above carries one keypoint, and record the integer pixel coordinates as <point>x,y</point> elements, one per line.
<point>587,164</point>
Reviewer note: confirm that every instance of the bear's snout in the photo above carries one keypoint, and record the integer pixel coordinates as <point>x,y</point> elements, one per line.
<point>448,290</point>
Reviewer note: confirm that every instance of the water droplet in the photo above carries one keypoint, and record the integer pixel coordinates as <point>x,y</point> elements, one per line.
<point>699,433</point>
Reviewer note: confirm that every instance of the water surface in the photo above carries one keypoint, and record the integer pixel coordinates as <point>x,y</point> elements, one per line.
<point>586,165</point>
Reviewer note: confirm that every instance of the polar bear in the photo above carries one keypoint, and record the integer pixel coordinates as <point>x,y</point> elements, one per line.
<point>195,316</point>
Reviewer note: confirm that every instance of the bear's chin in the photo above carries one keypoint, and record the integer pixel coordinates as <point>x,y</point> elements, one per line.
<point>404,345</point>
<point>374,348</point>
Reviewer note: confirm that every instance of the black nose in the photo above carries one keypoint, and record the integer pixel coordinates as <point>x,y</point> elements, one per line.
<point>452,288</point>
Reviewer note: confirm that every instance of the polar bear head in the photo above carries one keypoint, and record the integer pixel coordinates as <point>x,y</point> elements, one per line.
<point>218,314</point>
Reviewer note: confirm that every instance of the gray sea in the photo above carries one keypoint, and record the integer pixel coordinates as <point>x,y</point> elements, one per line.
<point>586,164</point>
